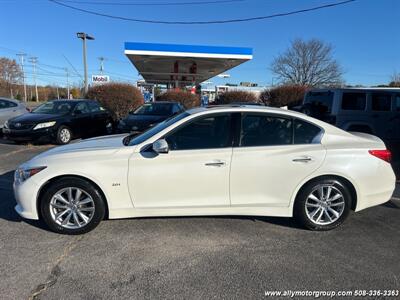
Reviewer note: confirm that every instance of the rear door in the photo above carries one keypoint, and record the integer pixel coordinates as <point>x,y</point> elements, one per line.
<point>82,124</point>
<point>99,117</point>
<point>274,154</point>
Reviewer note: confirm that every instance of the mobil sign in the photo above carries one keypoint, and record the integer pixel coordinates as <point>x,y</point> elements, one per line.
<point>100,78</point>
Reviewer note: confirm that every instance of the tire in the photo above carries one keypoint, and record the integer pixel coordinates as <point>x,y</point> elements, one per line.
<point>64,214</point>
<point>316,214</point>
<point>64,135</point>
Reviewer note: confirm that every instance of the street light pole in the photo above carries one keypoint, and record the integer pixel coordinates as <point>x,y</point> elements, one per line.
<point>83,36</point>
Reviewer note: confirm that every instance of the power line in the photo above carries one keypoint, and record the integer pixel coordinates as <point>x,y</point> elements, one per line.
<point>72,66</point>
<point>152,3</point>
<point>202,22</point>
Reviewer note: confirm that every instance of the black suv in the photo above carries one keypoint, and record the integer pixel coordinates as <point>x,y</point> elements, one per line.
<point>60,121</point>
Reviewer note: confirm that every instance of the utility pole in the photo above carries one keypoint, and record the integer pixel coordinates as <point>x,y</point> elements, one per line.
<point>33,61</point>
<point>83,36</point>
<point>21,59</point>
<point>66,71</point>
<point>101,65</point>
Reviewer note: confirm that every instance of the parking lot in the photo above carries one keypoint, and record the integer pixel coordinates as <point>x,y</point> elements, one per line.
<point>192,257</point>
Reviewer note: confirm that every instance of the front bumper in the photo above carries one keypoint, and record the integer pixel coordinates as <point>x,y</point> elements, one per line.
<point>45,134</point>
<point>25,195</point>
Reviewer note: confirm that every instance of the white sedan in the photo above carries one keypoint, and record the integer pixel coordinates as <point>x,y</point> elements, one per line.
<point>237,160</point>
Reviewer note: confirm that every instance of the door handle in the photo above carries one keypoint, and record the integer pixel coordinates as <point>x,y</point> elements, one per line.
<point>304,159</point>
<point>217,163</point>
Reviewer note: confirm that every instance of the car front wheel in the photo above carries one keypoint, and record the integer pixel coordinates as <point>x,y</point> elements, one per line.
<point>323,204</point>
<point>64,135</point>
<point>72,206</point>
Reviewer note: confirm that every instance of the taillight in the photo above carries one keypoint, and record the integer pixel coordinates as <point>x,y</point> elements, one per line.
<point>385,155</point>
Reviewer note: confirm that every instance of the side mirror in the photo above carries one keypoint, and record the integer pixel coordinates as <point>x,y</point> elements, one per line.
<point>160,146</point>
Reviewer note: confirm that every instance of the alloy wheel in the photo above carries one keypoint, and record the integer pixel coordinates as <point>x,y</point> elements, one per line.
<point>65,135</point>
<point>72,208</point>
<point>325,204</point>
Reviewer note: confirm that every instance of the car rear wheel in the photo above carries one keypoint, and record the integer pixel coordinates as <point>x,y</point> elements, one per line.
<point>322,204</point>
<point>72,206</point>
<point>64,135</point>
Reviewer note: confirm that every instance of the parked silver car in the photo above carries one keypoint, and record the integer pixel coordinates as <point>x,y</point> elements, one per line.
<point>10,108</point>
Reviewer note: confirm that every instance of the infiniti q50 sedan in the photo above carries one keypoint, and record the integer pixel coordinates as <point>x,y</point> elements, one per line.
<point>234,160</point>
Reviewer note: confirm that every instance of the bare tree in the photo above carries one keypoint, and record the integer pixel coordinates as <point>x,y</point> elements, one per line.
<point>395,80</point>
<point>308,63</point>
<point>10,75</point>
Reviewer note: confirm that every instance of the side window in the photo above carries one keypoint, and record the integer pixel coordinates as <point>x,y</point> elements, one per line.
<point>176,108</point>
<point>82,107</point>
<point>381,101</point>
<point>396,102</point>
<point>7,104</point>
<point>306,133</point>
<point>264,130</point>
<point>354,101</point>
<point>3,104</point>
<point>94,106</point>
<point>203,133</point>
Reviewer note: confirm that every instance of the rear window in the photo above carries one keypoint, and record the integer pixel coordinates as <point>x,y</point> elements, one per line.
<point>397,102</point>
<point>306,133</point>
<point>322,100</point>
<point>354,101</point>
<point>381,101</point>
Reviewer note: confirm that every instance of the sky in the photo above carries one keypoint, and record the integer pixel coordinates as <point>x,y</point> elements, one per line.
<point>364,35</point>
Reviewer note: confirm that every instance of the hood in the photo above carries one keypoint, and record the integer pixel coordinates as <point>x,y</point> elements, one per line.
<point>34,118</point>
<point>105,145</point>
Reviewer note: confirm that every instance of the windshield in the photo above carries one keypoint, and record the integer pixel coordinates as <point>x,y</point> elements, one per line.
<point>158,109</point>
<point>53,108</point>
<point>135,140</point>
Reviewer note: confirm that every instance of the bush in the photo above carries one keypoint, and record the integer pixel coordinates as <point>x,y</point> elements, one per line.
<point>236,96</point>
<point>118,98</point>
<point>285,95</point>
<point>187,99</point>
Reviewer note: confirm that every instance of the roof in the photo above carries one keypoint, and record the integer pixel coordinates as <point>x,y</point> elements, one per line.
<point>183,64</point>
<point>387,89</point>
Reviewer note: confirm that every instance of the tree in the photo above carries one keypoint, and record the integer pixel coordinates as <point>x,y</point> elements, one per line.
<point>395,80</point>
<point>308,63</point>
<point>118,98</point>
<point>10,75</point>
<point>236,96</point>
<point>187,99</point>
<point>285,95</point>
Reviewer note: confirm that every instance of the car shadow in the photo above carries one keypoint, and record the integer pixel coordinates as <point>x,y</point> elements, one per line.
<point>7,202</point>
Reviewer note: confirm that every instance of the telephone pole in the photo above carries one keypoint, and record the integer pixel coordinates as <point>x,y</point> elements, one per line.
<point>21,59</point>
<point>67,72</point>
<point>101,65</point>
<point>33,60</point>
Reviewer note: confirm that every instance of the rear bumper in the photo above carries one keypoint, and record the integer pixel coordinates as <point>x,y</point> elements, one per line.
<point>380,190</point>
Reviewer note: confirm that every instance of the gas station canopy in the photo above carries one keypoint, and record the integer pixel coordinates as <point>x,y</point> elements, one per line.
<point>182,65</point>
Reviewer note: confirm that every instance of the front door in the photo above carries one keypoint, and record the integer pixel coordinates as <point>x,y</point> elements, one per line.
<point>274,155</point>
<point>195,171</point>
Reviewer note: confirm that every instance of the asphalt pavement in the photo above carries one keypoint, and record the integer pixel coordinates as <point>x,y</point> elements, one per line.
<point>193,257</point>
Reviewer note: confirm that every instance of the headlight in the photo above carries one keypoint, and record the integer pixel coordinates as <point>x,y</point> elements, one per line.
<point>5,124</point>
<point>22,174</point>
<point>44,125</point>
